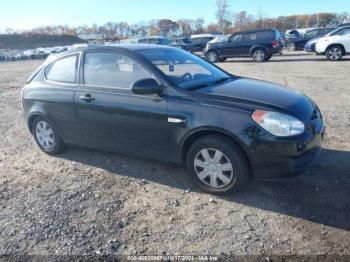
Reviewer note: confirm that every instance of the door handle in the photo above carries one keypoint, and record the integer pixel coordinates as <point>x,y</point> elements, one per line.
<point>87,98</point>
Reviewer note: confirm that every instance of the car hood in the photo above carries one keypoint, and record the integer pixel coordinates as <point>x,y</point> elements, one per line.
<point>251,94</point>
<point>332,38</point>
<point>314,40</point>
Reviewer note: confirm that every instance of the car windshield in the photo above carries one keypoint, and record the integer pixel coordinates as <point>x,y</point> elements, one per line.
<point>184,69</point>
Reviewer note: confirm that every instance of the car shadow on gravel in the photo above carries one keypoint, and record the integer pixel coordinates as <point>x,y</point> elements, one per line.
<point>321,195</point>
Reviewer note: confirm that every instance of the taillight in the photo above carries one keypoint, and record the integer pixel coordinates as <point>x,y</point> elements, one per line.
<point>274,43</point>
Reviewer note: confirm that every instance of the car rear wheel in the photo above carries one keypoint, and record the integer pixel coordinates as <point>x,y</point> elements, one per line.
<point>291,47</point>
<point>217,165</point>
<point>334,53</point>
<point>259,55</point>
<point>46,136</point>
<point>212,56</point>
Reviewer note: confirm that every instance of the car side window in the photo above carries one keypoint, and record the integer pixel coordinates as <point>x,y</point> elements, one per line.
<point>249,37</point>
<point>266,35</point>
<point>143,41</point>
<point>312,33</point>
<point>112,70</point>
<point>63,70</point>
<point>236,38</point>
<point>154,41</point>
<point>344,31</point>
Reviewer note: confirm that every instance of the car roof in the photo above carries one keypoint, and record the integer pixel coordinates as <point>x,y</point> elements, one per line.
<point>256,30</point>
<point>126,47</point>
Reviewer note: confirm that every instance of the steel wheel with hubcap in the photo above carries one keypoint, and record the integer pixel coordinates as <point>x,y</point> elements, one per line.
<point>334,53</point>
<point>46,137</point>
<point>259,55</point>
<point>213,168</point>
<point>217,164</point>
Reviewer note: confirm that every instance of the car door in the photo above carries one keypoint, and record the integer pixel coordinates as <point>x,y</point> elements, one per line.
<point>233,46</point>
<point>308,36</point>
<point>111,116</point>
<point>56,96</point>
<point>248,40</point>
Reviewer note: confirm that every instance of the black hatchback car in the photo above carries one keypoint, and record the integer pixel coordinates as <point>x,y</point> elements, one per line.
<point>165,103</point>
<point>259,44</point>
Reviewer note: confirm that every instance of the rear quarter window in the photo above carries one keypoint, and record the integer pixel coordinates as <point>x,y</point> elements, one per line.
<point>63,70</point>
<point>265,35</point>
<point>249,37</point>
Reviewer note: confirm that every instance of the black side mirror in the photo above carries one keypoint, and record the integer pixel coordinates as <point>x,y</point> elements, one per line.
<point>146,86</point>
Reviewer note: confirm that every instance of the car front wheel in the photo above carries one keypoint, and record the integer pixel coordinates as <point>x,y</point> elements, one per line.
<point>212,56</point>
<point>217,165</point>
<point>334,53</point>
<point>46,136</point>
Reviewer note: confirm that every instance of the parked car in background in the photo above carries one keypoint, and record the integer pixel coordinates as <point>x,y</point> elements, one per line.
<point>164,103</point>
<point>259,44</point>
<point>298,43</point>
<point>199,42</point>
<point>292,34</point>
<point>334,47</point>
<point>311,45</point>
<point>219,39</point>
<point>157,40</point>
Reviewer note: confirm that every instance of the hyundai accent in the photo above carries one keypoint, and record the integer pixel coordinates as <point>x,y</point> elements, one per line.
<point>164,103</point>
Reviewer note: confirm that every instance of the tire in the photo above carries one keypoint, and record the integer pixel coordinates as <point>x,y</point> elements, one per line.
<point>47,137</point>
<point>335,53</point>
<point>291,47</point>
<point>259,55</point>
<point>205,170</point>
<point>212,56</point>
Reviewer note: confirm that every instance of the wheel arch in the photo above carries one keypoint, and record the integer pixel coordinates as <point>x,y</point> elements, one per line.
<point>253,48</point>
<point>217,50</point>
<point>190,138</point>
<point>336,44</point>
<point>42,114</point>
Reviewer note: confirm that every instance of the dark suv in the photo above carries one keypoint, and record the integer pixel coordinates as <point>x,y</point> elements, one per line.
<point>259,44</point>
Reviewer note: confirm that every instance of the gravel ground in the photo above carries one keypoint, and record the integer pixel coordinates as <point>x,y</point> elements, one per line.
<point>86,202</point>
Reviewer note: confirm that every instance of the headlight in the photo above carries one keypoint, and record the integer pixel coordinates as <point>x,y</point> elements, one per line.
<point>278,124</point>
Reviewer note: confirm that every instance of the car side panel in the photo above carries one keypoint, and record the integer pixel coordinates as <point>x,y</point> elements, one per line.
<point>195,118</point>
<point>55,102</point>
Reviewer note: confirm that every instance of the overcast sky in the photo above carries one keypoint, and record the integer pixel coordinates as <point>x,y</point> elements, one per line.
<point>25,14</point>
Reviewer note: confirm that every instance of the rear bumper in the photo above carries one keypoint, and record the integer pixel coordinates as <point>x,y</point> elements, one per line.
<point>278,158</point>
<point>276,50</point>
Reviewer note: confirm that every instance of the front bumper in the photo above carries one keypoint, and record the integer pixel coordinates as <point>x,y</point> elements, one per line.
<point>276,158</point>
<point>310,48</point>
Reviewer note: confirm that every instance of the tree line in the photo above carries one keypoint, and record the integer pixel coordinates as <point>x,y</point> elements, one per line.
<point>226,21</point>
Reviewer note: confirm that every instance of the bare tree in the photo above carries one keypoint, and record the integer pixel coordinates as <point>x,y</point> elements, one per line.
<point>186,26</point>
<point>198,25</point>
<point>222,12</point>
